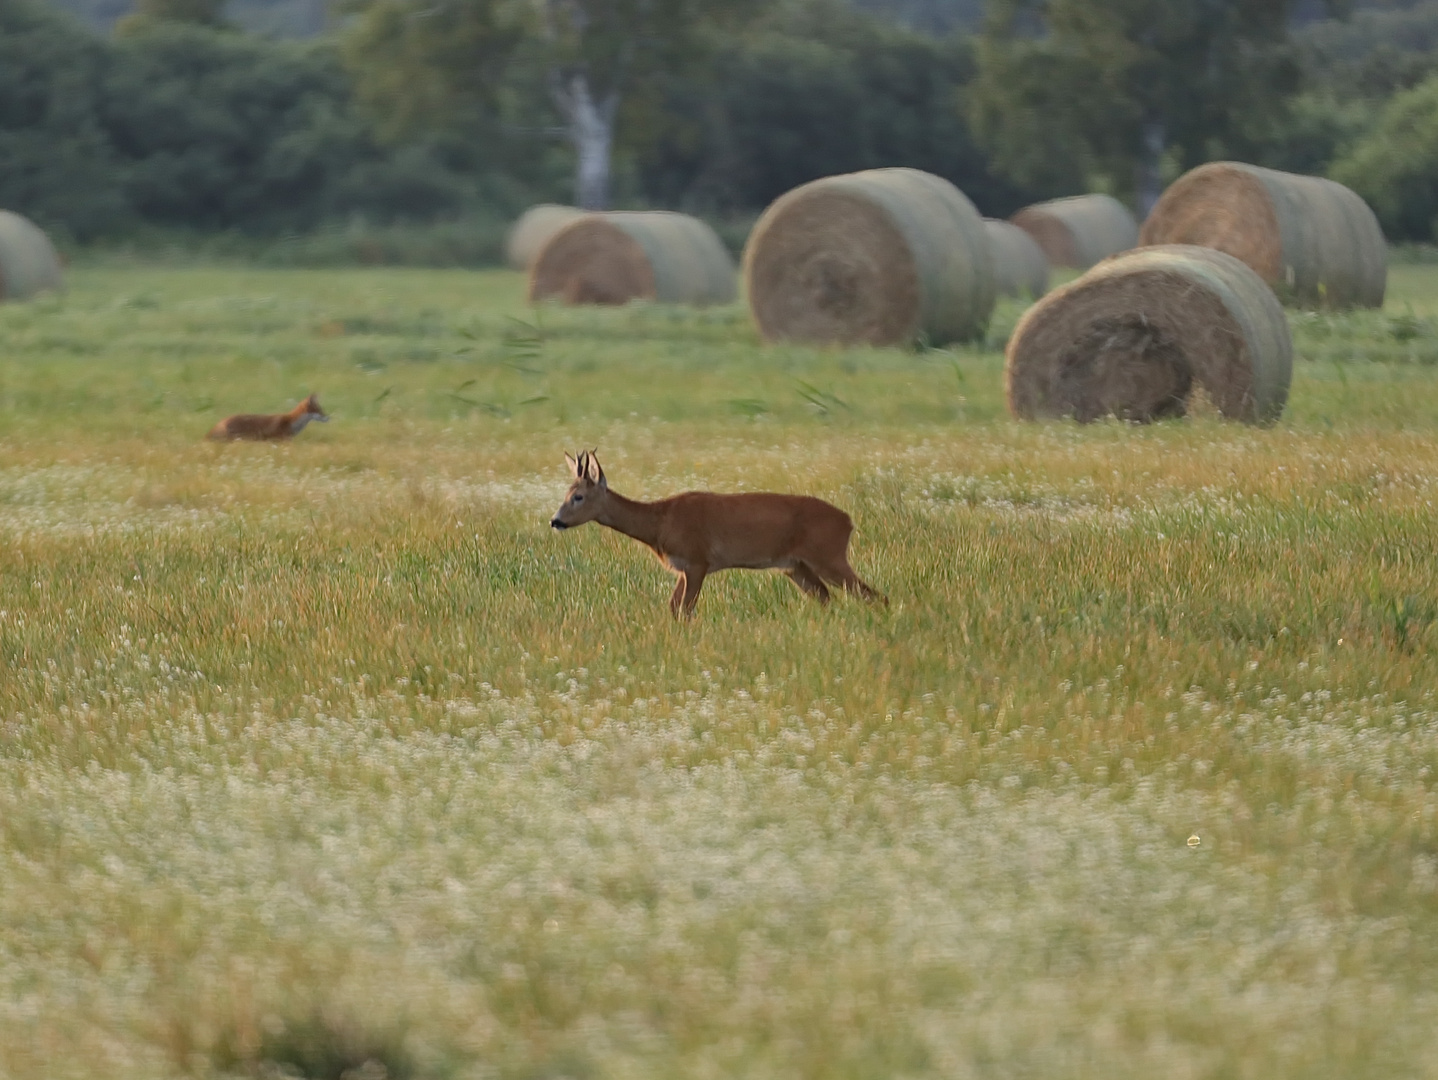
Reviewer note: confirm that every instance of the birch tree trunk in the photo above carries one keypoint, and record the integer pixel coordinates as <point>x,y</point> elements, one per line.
<point>591,132</point>
<point>1149,181</point>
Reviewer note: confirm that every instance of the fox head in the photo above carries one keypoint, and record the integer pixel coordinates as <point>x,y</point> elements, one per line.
<point>310,409</point>
<point>585,495</point>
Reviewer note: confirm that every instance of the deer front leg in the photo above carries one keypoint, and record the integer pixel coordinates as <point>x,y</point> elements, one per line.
<point>676,597</point>
<point>692,581</point>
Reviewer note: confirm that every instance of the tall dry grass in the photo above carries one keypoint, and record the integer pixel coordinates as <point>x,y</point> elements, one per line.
<point>331,758</point>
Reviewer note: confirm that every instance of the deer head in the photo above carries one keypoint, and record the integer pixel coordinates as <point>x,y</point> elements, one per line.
<point>585,496</point>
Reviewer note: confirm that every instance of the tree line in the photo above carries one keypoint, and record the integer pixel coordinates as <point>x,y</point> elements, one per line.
<point>419,110</point>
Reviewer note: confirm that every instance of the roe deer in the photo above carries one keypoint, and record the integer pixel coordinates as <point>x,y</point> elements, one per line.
<point>699,533</point>
<point>275,426</point>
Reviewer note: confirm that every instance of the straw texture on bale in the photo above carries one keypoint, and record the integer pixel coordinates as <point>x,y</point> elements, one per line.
<point>28,261</point>
<point>1080,230</point>
<point>884,257</point>
<point>1133,337</point>
<point>616,257</point>
<point>532,230</point>
<point>1020,268</point>
<point>1315,241</point>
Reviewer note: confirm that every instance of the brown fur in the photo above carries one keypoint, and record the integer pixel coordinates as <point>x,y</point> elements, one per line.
<point>700,532</point>
<point>273,426</point>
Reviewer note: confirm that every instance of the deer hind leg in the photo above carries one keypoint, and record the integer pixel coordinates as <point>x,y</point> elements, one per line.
<point>838,572</point>
<point>804,577</point>
<point>676,597</point>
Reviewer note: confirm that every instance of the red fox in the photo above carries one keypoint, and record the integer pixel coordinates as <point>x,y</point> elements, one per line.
<point>699,532</point>
<point>276,426</point>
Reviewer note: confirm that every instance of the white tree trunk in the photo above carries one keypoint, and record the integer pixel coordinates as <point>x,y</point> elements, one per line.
<point>591,131</point>
<point>1150,167</point>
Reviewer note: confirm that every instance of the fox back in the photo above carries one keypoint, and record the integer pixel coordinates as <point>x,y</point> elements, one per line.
<point>270,426</point>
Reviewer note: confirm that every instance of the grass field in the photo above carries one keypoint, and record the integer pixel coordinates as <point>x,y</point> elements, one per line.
<point>332,759</point>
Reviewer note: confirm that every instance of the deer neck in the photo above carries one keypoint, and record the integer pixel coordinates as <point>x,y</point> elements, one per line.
<point>634,519</point>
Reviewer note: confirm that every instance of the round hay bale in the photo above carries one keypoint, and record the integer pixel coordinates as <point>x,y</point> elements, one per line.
<point>1020,268</point>
<point>616,257</point>
<point>29,263</point>
<point>884,257</point>
<point>1080,230</point>
<point>532,230</point>
<point>1315,241</point>
<point>1133,336</point>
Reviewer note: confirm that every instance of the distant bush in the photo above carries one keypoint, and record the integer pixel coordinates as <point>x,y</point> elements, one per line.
<point>1375,52</point>
<point>194,127</point>
<point>471,241</point>
<point>817,89</point>
<point>182,127</point>
<point>1395,167</point>
<point>1413,254</point>
<point>56,163</point>
<point>215,129</point>
<point>1317,127</point>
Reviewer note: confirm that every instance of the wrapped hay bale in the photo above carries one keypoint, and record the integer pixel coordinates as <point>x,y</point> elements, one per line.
<point>1020,268</point>
<point>532,230</point>
<point>616,257</point>
<point>1313,240</point>
<point>1133,336</point>
<point>884,257</point>
<point>29,263</point>
<point>1080,230</point>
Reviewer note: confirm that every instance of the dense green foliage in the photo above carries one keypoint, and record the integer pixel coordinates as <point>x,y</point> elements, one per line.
<point>56,163</point>
<point>1395,166</point>
<point>587,59</point>
<point>813,90</point>
<point>219,130</point>
<point>932,16</point>
<point>1370,114</point>
<point>1375,52</point>
<point>1073,94</point>
<point>180,122</point>
<point>185,125</point>
<point>196,12</point>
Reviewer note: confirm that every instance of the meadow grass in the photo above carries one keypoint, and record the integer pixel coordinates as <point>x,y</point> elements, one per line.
<point>331,759</point>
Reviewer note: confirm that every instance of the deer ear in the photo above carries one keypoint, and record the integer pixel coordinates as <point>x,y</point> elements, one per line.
<point>572,463</point>
<point>592,471</point>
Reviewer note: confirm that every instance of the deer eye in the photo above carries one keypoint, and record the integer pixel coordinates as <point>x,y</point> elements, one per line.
<point>579,498</point>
